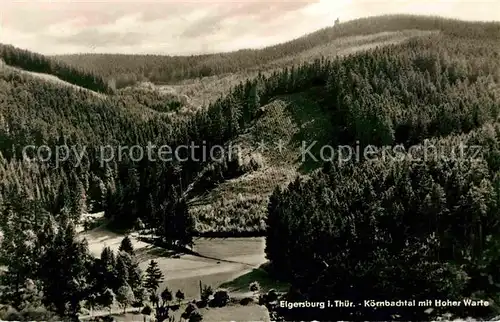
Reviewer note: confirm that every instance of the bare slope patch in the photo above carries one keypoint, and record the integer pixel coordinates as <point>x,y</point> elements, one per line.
<point>239,206</point>
<point>350,45</point>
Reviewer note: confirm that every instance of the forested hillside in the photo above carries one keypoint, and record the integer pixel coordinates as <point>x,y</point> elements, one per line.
<point>128,69</point>
<point>401,94</point>
<point>34,62</point>
<point>431,224</point>
<point>400,225</point>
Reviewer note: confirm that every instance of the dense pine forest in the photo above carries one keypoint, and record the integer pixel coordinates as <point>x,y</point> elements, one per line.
<point>387,229</point>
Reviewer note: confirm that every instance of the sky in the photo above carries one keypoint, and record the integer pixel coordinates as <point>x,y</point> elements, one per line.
<point>174,27</point>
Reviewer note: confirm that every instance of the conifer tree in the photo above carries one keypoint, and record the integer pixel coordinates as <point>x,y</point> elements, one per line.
<point>126,245</point>
<point>179,295</point>
<point>166,296</point>
<point>123,267</point>
<point>64,272</point>
<point>154,277</point>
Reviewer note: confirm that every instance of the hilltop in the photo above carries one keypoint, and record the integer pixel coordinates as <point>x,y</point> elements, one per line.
<point>128,69</point>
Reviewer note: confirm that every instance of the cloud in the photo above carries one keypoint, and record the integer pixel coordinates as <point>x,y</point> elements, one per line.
<point>188,27</point>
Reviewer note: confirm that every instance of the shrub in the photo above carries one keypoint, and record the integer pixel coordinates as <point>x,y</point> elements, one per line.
<point>139,224</point>
<point>272,295</point>
<point>221,298</point>
<point>246,301</point>
<point>190,308</point>
<point>195,316</point>
<point>252,162</point>
<point>254,287</point>
<point>201,304</point>
<point>147,310</point>
<point>9,313</point>
<point>154,298</point>
<point>140,294</point>
<point>263,299</point>
<point>137,304</point>
<point>206,292</point>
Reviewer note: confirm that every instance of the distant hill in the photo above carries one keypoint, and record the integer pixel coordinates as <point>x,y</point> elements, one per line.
<point>204,90</point>
<point>128,69</point>
<point>398,94</point>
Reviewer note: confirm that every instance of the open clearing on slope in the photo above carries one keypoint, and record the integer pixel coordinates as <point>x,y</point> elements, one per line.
<point>221,260</point>
<point>241,203</point>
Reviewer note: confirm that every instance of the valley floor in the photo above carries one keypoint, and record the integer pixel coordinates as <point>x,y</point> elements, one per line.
<point>227,262</point>
<point>220,260</point>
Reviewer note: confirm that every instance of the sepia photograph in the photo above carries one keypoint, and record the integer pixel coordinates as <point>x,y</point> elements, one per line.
<point>249,160</point>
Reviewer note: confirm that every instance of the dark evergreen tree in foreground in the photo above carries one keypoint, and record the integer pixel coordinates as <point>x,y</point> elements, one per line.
<point>63,272</point>
<point>154,277</point>
<point>126,245</point>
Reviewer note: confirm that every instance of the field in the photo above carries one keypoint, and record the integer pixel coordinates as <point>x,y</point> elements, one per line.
<point>229,262</point>
<point>219,260</point>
